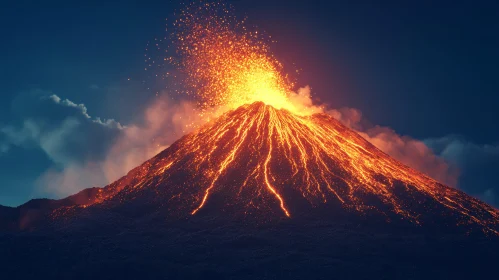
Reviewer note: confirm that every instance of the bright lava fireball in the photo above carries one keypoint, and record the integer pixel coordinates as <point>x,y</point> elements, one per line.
<point>225,63</point>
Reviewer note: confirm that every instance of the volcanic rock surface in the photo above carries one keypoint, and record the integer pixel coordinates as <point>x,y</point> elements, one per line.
<point>258,193</point>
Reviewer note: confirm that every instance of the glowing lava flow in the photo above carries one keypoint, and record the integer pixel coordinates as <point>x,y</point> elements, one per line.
<point>260,160</point>
<point>268,153</point>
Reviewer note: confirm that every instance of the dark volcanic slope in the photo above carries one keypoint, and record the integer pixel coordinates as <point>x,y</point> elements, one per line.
<point>257,194</point>
<point>260,162</point>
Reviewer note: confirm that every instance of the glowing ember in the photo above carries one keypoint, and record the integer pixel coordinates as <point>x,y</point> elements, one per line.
<point>225,63</point>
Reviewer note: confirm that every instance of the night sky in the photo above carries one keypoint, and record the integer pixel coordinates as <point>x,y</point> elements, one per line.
<point>72,77</point>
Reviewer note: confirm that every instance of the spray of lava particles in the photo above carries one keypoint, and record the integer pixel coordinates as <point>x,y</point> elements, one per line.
<point>226,64</point>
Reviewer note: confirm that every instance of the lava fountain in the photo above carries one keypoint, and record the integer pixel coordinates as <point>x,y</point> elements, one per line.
<point>226,64</point>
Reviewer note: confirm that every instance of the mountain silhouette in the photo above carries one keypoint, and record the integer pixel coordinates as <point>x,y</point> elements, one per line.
<point>259,182</point>
<point>258,162</point>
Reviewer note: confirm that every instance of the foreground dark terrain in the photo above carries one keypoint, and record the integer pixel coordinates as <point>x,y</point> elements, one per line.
<point>206,248</point>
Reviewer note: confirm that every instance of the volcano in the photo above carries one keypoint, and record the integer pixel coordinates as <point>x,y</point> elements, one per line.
<point>251,195</point>
<point>261,163</point>
<point>268,190</point>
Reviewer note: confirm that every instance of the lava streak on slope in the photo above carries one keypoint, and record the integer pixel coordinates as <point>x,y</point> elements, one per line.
<point>263,161</point>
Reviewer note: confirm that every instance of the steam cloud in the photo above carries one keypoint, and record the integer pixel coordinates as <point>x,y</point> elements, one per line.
<point>163,123</point>
<point>410,151</point>
<point>88,151</point>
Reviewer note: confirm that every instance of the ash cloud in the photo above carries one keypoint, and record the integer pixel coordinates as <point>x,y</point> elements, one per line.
<point>89,151</point>
<point>412,152</point>
<point>451,159</point>
<point>478,165</point>
<point>66,133</point>
<point>84,111</point>
<point>163,122</point>
<point>61,128</point>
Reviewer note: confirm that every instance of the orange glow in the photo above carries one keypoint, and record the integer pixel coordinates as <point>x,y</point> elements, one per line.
<point>258,155</point>
<point>225,63</point>
<point>266,149</point>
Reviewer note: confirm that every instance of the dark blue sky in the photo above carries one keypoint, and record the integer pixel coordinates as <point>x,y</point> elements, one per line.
<point>427,69</point>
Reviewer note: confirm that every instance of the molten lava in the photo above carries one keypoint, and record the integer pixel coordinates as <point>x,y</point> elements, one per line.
<point>263,161</point>
<point>268,156</point>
